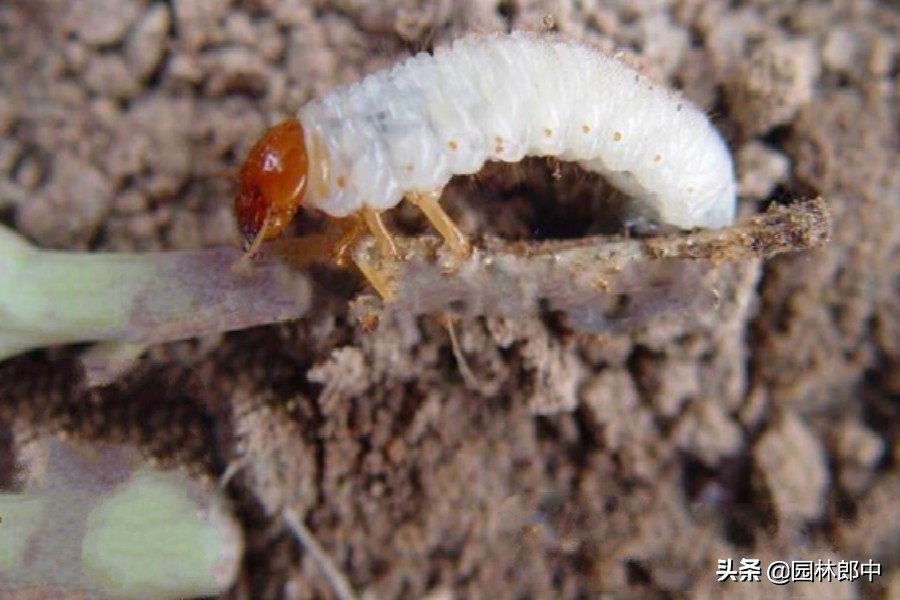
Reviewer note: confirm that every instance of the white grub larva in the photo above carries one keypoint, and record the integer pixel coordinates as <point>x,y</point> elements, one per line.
<point>404,132</point>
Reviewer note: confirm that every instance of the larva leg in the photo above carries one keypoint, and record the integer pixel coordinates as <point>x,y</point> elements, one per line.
<point>379,278</point>
<point>349,231</point>
<point>382,235</point>
<point>378,273</point>
<point>429,205</point>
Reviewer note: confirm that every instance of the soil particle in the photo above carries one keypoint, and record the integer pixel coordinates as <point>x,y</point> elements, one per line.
<point>771,85</point>
<point>791,463</point>
<point>145,47</point>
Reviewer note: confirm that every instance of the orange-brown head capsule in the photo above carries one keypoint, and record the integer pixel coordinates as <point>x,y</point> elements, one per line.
<point>272,182</point>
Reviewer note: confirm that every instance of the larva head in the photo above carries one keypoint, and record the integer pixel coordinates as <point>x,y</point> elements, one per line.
<point>272,182</point>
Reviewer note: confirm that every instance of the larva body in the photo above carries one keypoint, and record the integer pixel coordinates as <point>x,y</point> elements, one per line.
<point>503,97</point>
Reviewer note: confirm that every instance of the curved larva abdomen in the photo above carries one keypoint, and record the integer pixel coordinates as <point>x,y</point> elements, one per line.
<point>503,97</point>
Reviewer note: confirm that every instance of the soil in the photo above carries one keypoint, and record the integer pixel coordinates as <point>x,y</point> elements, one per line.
<point>620,464</point>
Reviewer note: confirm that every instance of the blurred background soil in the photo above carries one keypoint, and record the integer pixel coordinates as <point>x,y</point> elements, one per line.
<point>577,466</point>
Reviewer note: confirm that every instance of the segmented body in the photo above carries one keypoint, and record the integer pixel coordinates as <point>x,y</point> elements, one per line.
<point>503,97</point>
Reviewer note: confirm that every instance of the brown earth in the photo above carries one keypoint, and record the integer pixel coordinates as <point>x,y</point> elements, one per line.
<point>618,465</point>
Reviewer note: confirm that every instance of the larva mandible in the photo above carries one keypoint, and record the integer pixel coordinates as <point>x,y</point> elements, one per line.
<point>403,132</point>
